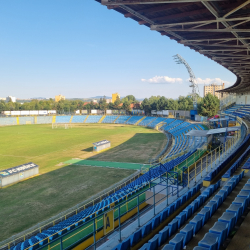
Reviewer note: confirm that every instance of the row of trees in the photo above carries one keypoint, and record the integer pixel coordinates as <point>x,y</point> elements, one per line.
<point>68,105</point>
<point>207,106</point>
<point>163,103</point>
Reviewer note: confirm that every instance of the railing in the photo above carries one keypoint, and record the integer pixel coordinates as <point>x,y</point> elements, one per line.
<point>67,214</point>
<point>192,174</point>
<point>28,233</point>
<point>168,147</point>
<point>163,153</point>
<point>196,170</point>
<point>163,161</point>
<point>210,161</point>
<point>226,101</point>
<point>95,224</point>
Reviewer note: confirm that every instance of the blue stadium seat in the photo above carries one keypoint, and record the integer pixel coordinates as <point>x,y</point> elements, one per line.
<point>217,200</point>
<point>222,194</point>
<point>210,241</point>
<point>189,211</point>
<point>196,222</point>
<point>133,120</point>
<point>177,241</point>
<point>244,194</point>
<point>109,119</point>
<point>63,119</point>
<point>173,226</point>
<point>156,221</point>
<point>93,118</point>
<point>146,229</point>
<point>237,209</point>
<point>188,232</point>
<point>78,119</point>
<point>169,247</point>
<point>125,245</point>
<point>212,206</point>
<point>200,248</point>
<point>164,214</point>
<point>163,236</point>
<point>241,201</point>
<point>122,119</point>
<point>229,218</point>
<point>153,243</point>
<point>206,214</point>
<point>182,217</point>
<point>220,228</point>
<point>135,237</point>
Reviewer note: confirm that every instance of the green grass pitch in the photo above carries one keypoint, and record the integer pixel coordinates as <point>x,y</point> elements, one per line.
<point>61,186</point>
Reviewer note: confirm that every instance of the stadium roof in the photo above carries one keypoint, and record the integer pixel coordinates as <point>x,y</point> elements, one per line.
<point>204,133</point>
<point>219,119</point>
<point>222,130</point>
<point>218,29</point>
<point>197,133</point>
<point>99,143</point>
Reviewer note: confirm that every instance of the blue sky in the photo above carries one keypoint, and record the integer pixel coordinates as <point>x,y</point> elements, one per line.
<point>81,49</point>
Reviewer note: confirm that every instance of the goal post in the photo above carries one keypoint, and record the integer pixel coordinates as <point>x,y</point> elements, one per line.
<point>61,125</point>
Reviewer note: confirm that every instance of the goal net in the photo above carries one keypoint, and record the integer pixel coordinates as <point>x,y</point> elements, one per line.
<point>61,125</point>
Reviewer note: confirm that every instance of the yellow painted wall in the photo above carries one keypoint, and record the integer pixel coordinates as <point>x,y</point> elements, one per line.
<point>114,97</point>
<point>59,98</point>
<point>100,234</point>
<point>127,216</point>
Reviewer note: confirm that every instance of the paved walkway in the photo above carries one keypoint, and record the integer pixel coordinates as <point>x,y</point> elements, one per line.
<point>113,239</point>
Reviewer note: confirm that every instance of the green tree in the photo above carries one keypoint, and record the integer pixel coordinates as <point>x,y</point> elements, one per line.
<point>185,103</point>
<point>173,104</point>
<point>117,103</point>
<point>129,98</point>
<point>126,106</point>
<point>103,104</point>
<point>209,105</point>
<point>145,105</point>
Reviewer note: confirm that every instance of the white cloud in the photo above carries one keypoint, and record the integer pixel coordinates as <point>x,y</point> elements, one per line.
<point>210,81</point>
<point>162,79</point>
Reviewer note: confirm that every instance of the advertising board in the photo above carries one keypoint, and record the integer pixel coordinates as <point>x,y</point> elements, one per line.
<point>15,112</point>
<point>42,112</point>
<point>84,111</point>
<point>24,112</point>
<point>33,112</point>
<point>51,111</point>
<point>165,112</point>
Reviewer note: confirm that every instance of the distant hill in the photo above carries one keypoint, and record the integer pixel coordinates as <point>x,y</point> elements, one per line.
<point>39,98</point>
<point>99,97</point>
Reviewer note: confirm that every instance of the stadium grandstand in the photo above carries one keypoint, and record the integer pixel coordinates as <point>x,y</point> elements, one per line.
<point>195,198</point>
<point>182,155</point>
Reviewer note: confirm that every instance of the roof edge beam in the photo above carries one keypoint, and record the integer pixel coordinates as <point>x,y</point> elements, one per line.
<point>128,2</point>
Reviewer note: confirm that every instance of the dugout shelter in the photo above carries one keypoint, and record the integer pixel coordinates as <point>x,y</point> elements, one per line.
<point>101,145</point>
<point>18,173</point>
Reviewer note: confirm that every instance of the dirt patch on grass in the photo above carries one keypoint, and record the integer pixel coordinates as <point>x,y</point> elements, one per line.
<point>60,164</point>
<point>139,149</point>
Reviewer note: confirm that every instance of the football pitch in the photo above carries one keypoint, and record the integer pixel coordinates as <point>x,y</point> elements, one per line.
<point>63,183</point>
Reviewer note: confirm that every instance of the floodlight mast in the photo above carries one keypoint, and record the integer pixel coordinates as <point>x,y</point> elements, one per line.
<point>195,90</point>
